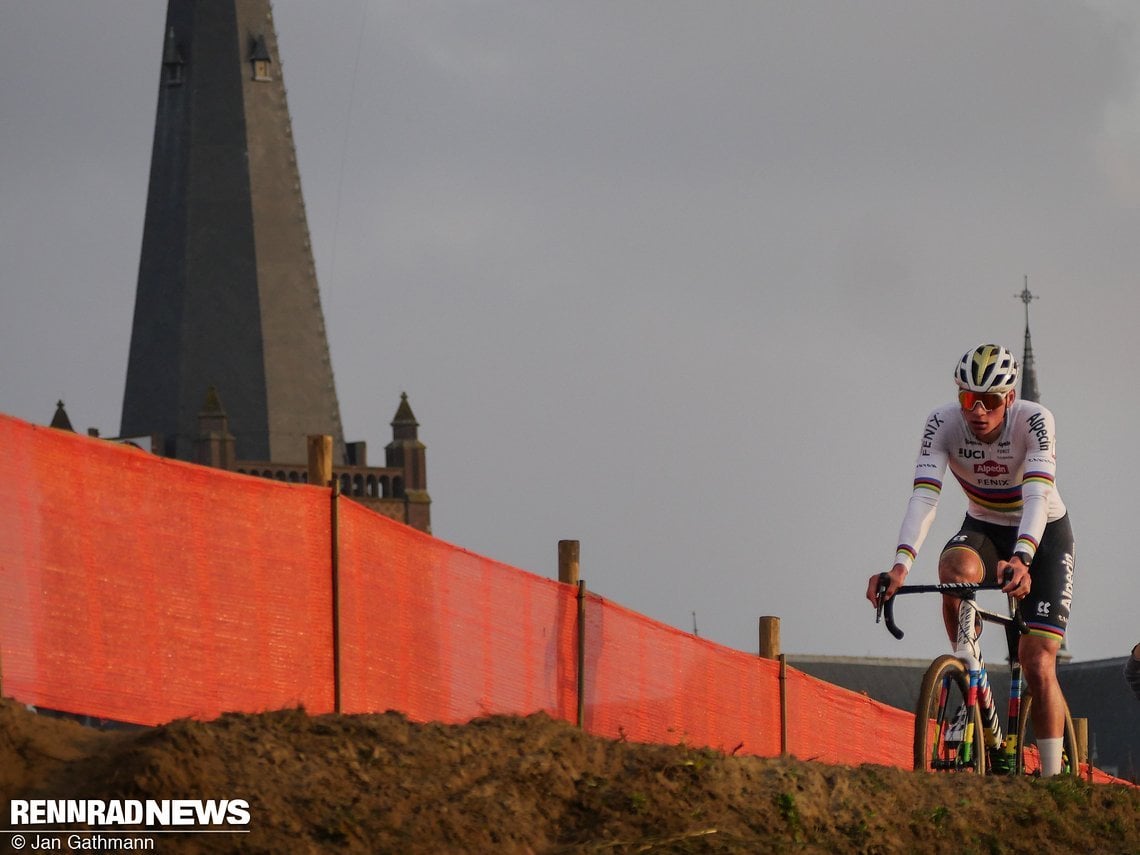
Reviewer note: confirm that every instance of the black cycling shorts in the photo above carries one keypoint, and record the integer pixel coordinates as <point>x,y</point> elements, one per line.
<point>1046,608</point>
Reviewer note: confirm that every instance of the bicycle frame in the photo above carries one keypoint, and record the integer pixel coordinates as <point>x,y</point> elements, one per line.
<point>979,695</point>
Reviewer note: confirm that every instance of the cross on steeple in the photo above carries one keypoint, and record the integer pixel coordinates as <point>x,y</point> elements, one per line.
<point>1026,296</point>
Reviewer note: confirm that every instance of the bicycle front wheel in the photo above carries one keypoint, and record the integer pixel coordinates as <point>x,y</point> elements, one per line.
<point>948,735</point>
<point>1070,759</point>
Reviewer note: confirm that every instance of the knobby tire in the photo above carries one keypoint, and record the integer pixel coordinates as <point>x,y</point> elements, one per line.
<point>929,720</point>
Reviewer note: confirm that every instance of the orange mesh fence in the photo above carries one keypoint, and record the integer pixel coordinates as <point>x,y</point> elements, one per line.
<point>141,589</point>
<point>443,634</point>
<point>648,682</point>
<point>834,725</point>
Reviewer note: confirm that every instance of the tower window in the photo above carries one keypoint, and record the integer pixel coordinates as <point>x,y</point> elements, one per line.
<point>172,62</point>
<point>259,59</point>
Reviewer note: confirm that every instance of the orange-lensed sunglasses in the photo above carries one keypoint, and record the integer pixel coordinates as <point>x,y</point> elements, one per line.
<point>990,401</point>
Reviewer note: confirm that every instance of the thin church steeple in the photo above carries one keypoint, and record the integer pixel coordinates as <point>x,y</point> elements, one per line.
<point>1029,390</point>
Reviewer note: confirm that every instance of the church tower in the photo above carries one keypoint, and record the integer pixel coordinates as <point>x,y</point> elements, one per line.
<point>229,361</point>
<point>227,296</point>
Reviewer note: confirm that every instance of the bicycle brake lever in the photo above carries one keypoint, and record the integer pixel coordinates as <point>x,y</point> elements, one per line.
<point>880,596</point>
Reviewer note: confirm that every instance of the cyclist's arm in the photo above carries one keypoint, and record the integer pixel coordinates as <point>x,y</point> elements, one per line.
<point>1038,480</point>
<point>929,469</point>
<point>920,512</point>
<point>921,507</point>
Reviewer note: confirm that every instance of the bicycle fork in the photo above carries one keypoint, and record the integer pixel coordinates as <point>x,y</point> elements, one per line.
<point>980,695</point>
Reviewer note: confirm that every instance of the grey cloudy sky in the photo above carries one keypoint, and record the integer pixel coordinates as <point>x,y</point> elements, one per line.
<point>679,280</point>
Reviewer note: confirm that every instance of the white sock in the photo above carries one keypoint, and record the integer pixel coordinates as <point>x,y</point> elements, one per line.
<point>1050,751</point>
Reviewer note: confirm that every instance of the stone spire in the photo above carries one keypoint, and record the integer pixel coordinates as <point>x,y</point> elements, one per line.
<point>1029,390</point>
<point>227,291</point>
<point>407,454</point>
<point>60,421</point>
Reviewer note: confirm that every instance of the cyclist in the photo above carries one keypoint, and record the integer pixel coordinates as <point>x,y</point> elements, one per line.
<point>1002,451</point>
<point>1132,671</point>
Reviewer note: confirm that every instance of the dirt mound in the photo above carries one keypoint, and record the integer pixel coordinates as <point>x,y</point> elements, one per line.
<point>503,784</point>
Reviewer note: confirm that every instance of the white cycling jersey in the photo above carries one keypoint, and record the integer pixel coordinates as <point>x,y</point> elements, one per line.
<point>1010,481</point>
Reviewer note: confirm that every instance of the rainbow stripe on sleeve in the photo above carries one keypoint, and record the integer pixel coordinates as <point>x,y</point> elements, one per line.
<point>931,484</point>
<point>1025,543</point>
<point>1045,478</point>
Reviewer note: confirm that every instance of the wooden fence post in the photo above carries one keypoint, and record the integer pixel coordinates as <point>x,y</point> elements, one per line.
<point>1081,726</point>
<point>320,459</point>
<point>334,536</point>
<point>581,654</point>
<point>769,637</point>
<point>568,574</point>
<point>783,705</point>
<point>770,649</point>
<point>568,553</point>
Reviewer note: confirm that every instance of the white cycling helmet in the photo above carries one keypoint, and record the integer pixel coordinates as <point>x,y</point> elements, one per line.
<point>987,368</point>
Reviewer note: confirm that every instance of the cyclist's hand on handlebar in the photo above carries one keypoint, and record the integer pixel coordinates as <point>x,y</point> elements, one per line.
<point>1017,576</point>
<point>895,578</point>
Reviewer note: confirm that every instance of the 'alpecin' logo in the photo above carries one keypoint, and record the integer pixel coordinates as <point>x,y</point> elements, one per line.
<point>991,468</point>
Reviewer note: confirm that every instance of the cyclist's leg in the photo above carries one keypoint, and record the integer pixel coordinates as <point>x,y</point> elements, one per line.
<point>957,565</point>
<point>969,556</point>
<point>1046,612</point>
<point>1038,656</point>
<point>1027,736</point>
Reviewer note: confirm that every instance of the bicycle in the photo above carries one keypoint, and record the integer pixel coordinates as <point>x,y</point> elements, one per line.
<point>956,723</point>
